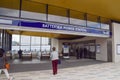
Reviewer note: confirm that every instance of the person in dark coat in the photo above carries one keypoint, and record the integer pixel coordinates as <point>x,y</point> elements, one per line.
<point>77,53</point>
<point>81,53</point>
<point>85,53</point>
<point>20,54</point>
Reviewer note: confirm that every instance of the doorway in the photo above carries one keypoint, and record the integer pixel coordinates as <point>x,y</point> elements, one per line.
<point>83,50</point>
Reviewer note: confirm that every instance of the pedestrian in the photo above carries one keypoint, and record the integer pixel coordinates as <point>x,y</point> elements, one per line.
<point>20,54</point>
<point>54,58</point>
<point>77,53</point>
<point>2,64</point>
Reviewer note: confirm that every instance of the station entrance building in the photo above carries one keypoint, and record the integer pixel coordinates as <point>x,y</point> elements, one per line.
<point>68,30</point>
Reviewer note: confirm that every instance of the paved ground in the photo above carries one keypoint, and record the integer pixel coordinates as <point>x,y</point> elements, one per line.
<point>68,70</point>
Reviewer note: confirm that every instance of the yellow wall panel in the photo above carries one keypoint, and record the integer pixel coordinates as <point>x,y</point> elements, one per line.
<point>57,11</point>
<point>76,14</point>
<point>33,6</point>
<point>12,4</point>
<point>104,8</point>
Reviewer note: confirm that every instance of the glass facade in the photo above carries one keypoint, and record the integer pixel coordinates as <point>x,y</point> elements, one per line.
<point>30,43</point>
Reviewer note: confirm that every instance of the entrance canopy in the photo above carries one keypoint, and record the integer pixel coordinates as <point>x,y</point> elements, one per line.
<point>43,34</point>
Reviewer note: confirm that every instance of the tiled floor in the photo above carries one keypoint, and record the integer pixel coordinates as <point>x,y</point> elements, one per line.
<point>71,70</point>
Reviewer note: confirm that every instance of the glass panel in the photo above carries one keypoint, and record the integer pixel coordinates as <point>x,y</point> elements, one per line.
<point>35,48</point>
<point>105,23</point>
<point>25,48</point>
<point>9,8</point>
<point>77,18</point>
<point>93,21</point>
<point>45,45</point>
<point>45,48</point>
<point>25,40</point>
<point>15,42</point>
<point>57,14</point>
<point>45,41</point>
<point>25,43</point>
<point>30,9</point>
<point>35,43</point>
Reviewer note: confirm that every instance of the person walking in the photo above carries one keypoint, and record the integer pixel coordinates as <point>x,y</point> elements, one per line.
<point>20,54</point>
<point>54,58</point>
<point>2,64</point>
<point>77,53</point>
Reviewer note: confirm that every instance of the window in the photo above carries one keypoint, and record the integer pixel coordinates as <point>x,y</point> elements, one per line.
<point>25,43</point>
<point>45,45</point>
<point>77,18</point>
<point>57,14</point>
<point>30,9</point>
<point>9,8</point>
<point>35,43</point>
<point>15,42</point>
<point>105,23</point>
<point>93,21</point>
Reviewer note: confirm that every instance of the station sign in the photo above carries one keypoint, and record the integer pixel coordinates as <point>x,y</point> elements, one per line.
<point>64,27</point>
<point>54,26</point>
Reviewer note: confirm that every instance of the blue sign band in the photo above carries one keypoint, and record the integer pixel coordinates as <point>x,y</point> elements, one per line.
<point>63,27</point>
<point>56,26</point>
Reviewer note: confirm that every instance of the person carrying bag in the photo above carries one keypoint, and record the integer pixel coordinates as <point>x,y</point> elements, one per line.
<point>3,65</point>
<point>7,66</point>
<point>59,61</point>
<point>54,58</point>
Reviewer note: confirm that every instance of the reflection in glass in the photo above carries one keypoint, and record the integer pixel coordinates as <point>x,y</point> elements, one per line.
<point>45,45</point>
<point>35,43</point>
<point>25,48</point>
<point>77,18</point>
<point>30,43</point>
<point>105,23</point>
<point>93,21</point>
<point>45,41</point>
<point>35,48</point>
<point>45,48</point>
<point>55,18</point>
<point>25,40</point>
<point>15,42</point>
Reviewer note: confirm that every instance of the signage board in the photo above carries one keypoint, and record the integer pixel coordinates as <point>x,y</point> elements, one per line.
<point>54,26</point>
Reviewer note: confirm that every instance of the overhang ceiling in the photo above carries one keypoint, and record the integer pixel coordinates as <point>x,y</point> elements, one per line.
<point>43,34</point>
<point>105,8</point>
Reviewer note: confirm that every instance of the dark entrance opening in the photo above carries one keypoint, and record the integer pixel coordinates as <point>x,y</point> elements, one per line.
<point>83,49</point>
